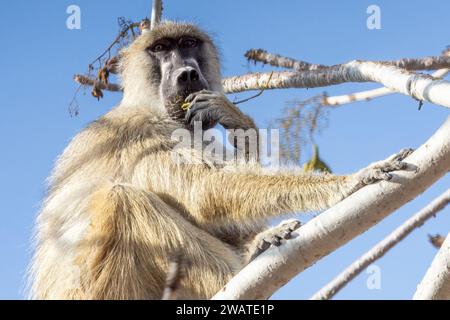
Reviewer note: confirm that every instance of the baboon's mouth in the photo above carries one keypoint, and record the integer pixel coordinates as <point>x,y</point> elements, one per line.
<point>176,105</point>
<point>180,98</point>
<point>185,93</point>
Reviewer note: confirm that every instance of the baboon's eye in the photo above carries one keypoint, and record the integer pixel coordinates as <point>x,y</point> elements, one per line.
<point>159,47</point>
<point>188,42</point>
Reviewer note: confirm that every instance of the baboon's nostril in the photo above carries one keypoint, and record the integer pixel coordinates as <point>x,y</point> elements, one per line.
<point>194,75</point>
<point>183,77</point>
<point>188,76</point>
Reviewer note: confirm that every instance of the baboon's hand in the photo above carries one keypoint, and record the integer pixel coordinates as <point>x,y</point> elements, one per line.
<point>210,108</point>
<point>381,170</point>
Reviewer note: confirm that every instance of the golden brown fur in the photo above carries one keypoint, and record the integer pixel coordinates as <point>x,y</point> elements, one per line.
<point>118,204</point>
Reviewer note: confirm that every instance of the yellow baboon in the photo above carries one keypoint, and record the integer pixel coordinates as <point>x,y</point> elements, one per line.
<point>118,203</point>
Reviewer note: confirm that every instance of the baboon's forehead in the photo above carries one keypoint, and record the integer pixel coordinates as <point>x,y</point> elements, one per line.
<point>173,30</point>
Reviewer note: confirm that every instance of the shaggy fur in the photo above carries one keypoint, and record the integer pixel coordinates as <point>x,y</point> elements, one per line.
<point>118,204</point>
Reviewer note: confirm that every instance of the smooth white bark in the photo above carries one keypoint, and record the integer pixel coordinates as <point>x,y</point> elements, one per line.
<point>338,225</point>
<point>436,283</point>
<point>156,13</point>
<point>371,94</point>
<point>419,86</point>
<point>377,251</point>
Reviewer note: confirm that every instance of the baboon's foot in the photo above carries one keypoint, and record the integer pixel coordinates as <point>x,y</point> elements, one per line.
<point>274,236</point>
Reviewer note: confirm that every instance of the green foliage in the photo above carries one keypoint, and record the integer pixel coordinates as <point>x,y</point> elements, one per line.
<point>315,163</point>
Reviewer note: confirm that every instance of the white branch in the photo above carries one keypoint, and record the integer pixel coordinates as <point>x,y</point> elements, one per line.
<point>418,86</point>
<point>436,283</point>
<point>338,225</point>
<point>382,247</point>
<point>371,94</point>
<point>425,63</point>
<point>280,61</point>
<point>156,13</point>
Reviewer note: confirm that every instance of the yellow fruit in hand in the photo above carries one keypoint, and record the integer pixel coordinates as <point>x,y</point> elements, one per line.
<point>185,106</point>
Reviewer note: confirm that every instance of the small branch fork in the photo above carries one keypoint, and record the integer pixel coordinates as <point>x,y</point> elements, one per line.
<point>107,63</point>
<point>419,86</point>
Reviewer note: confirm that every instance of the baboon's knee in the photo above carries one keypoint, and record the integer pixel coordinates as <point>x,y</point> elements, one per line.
<point>122,209</point>
<point>116,200</point>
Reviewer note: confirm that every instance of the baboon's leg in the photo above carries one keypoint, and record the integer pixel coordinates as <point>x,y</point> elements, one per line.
<point>132,235</point>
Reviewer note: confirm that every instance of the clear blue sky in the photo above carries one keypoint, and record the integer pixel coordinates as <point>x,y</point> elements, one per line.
<point>39,55</point>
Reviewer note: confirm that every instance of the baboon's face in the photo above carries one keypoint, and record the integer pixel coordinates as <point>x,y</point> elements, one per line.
<point>163,66</point>
<point>181,72</point>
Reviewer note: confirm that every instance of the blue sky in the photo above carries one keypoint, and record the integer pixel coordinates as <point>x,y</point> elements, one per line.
<point>39,55</point>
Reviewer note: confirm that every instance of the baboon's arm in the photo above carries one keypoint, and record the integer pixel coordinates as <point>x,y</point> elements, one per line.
<point>210,108</point>
<point>239,196</point>
<point>213,194</point>
<point>214,107</point>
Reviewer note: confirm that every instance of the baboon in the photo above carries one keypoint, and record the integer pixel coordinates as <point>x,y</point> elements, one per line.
<point>118,203</point>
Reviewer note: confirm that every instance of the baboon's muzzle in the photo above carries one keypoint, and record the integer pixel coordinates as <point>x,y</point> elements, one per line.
<point>188,80</point>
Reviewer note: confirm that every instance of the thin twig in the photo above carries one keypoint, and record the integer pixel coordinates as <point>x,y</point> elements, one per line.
<point>121,34</point>
<point>73,105</point>
<point>256,95</point>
